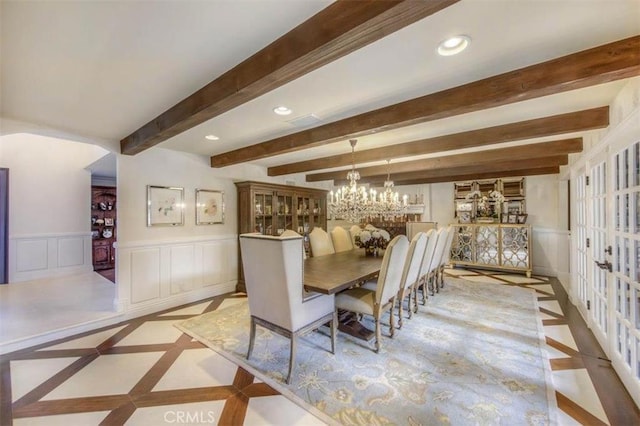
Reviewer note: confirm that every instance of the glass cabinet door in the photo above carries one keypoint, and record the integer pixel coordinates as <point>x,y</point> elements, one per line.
<point>302,211</point>
<point>284,213</point>
<point>262,209</point>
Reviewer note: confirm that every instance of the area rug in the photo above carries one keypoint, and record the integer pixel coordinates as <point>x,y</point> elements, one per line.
<point>473,355</point>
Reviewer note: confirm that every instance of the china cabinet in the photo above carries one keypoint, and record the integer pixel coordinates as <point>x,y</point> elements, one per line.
<point>270,209</point>
<point>103,226</point>
<point>469,208</point>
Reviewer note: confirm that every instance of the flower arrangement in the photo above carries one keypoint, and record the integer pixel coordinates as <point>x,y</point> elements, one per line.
<point>371,238</point>
<point>483,206</point>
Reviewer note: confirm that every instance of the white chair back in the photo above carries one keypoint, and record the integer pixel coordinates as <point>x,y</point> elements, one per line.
<point>412,228</point>
<point>412,265</point>
<point>321,244</point>
<point>437,252</point>
<point>290,233</point>
<point>273,276</point>
<point>354,230</point>
<point>446,253</point>
<point>341,239</point>
<point>391,270</point>
<point>432,239</point>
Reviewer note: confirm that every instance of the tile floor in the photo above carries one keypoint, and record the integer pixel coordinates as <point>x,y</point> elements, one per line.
<point>164,377</point>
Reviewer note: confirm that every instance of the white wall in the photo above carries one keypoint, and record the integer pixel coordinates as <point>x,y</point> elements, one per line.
<point>49,205</point>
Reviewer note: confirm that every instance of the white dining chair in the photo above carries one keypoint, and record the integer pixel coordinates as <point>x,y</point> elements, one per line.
<point>341,239</point>
<point>320,241</point>
<point>353,231</point>
<point>434,266</point>
<point>273,272</point>
<point>432,239</point>
<point>411,272</point>
<point>363,301</point>
<point>291,233</point>
<point>446,255</point>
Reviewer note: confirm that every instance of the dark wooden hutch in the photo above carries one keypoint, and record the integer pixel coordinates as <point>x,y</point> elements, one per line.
<point>272,208</point>
<point>103,226</point>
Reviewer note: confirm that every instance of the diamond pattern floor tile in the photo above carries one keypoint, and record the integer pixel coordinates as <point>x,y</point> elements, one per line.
<point>27,374</point>
<point>189,310</point>
<point>93,418</point>
<point>98,377</point>
<point>197,413</point>
<point>576,385</point>
<point>196,368</point>
<point>152,332</point>
<point>90,341</point>
<point>562,334</point>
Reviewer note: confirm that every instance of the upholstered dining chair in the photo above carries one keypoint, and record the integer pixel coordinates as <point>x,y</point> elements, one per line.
<point>446,256</point>
<point>341,239</point>
<point>361,300</point>
<point>432,240</point>
<point>434,266</point>
<point>321,244</point>
<point>274,279</point>
<point>290,233</point>
<point>353,231</point>
<point>411,271</point>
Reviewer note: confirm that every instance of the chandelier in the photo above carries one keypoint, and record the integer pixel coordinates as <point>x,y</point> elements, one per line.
<point>389,205</point>
<point>352,202</point>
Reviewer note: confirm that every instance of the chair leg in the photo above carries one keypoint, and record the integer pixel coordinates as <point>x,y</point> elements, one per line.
<point>392,326</point>
<point>334,328</point>
<point>401,297</point>
<point>378,333</point>
<point>415,298</point>
<point>252,336</point>
<point>292,358</point>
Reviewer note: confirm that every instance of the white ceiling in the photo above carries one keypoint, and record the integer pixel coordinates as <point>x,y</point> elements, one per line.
<point>104,69</point>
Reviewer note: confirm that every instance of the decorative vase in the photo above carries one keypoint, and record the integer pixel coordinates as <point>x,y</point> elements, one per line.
<point>371,251</point>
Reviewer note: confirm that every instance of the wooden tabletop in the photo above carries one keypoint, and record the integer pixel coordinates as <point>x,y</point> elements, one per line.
<point>336,272</point>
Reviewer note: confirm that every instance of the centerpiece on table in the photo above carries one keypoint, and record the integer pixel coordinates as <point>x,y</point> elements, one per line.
<point>372,239</point>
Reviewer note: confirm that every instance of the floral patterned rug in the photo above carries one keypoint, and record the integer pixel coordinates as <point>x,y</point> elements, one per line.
<point>474,355</point>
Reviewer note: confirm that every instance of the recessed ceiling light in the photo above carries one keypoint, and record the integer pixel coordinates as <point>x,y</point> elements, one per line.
<point>282,110</point>
<point>212,137</point>
<point>454,45</point>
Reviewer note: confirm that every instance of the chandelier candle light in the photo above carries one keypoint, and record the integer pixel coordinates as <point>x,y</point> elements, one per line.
<point>354,203</point>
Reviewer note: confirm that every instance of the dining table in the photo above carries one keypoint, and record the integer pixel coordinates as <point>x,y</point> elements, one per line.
<point>336,272</point>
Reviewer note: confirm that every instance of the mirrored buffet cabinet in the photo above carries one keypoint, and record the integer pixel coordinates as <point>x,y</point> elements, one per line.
<point>492,246</point>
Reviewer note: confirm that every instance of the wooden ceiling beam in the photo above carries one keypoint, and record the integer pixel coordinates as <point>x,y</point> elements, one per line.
<point>334,32</point>
<point>477,168</point>
<point>488,175</point>
<point>517,153</point>
<point>602,64</point>
<point>591,119</point>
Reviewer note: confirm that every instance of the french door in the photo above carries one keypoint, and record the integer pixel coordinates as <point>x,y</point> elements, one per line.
<point>606,228</point>
<point>626,262</point>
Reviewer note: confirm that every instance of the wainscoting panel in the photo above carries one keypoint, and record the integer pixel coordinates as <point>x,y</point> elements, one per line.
<point>181,274</point>
<point>145,275</point>
<point>155,275</point>
<point>214,263</point>
<point>46,256</point>
<point>70,252</point>
<point>550,253</point>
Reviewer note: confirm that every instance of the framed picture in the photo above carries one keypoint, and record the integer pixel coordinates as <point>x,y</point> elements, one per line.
<point>108,221</point>
<point>165,206</point>
<point>209,207</point>
<point>521,218</point>
<point>512,218</point>
<point>504,218</point>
